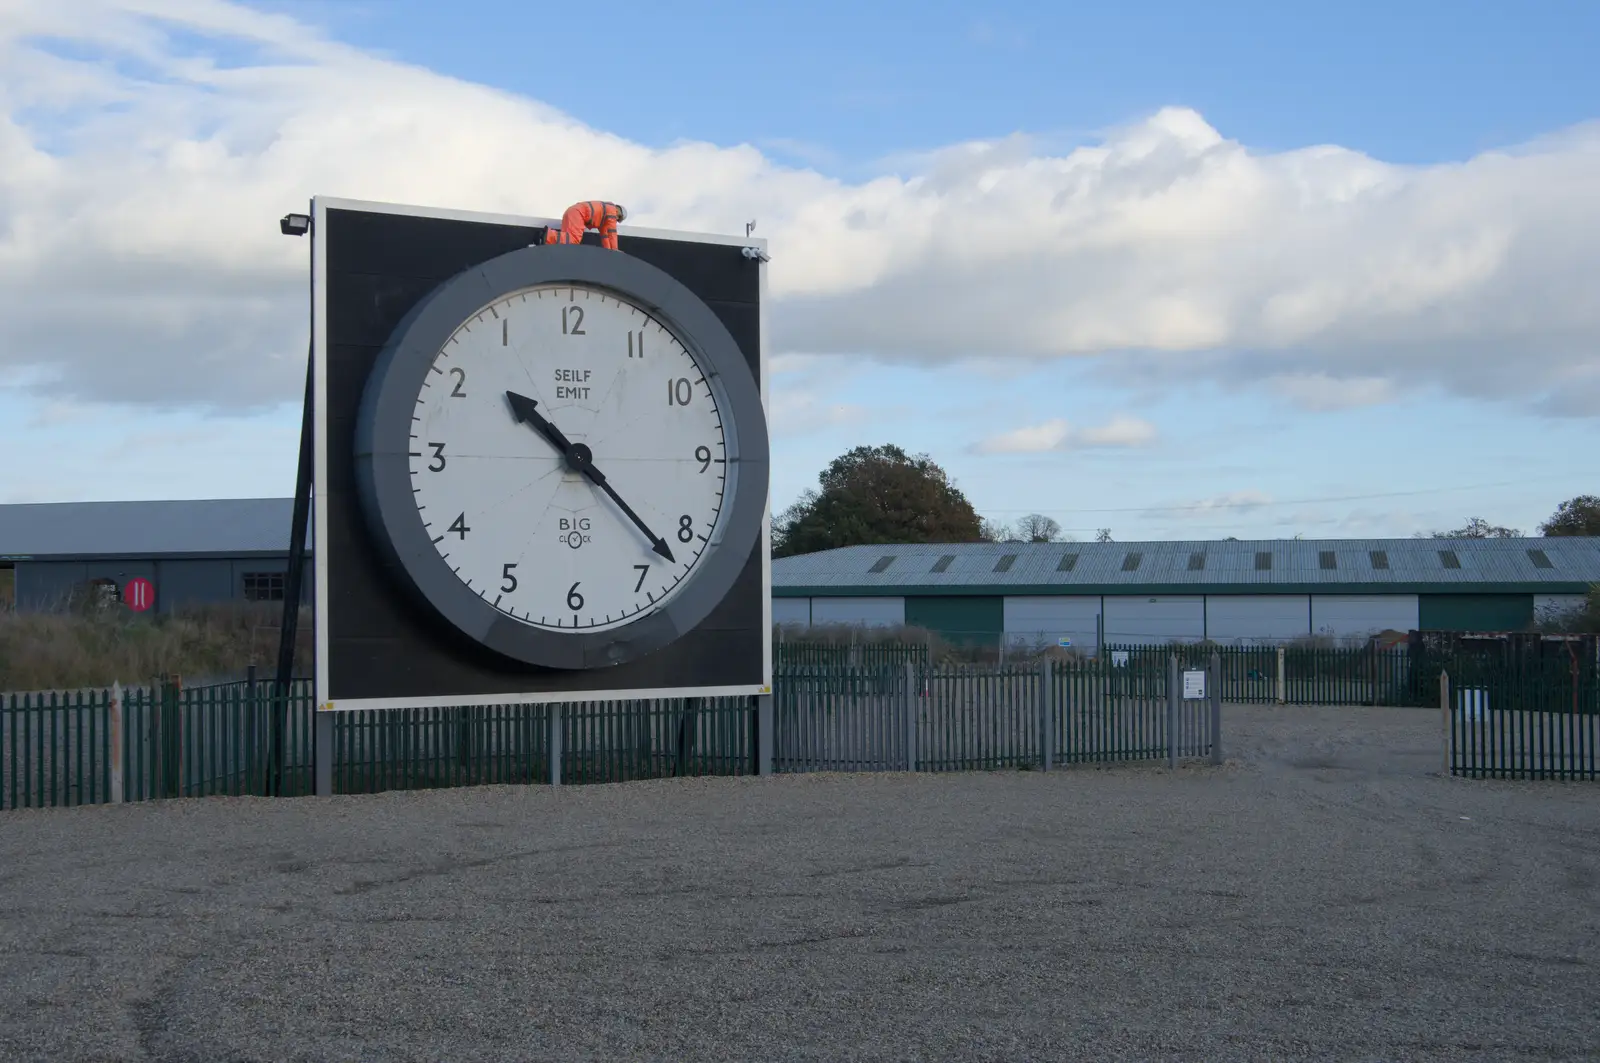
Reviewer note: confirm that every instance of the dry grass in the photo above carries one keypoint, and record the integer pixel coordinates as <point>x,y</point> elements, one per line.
<point>69,649</point>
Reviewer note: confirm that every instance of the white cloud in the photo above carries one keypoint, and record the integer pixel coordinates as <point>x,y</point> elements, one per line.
<point>1120,431</point>
<point>1030,439</point>
<point>796,411</point>
<point>1320,391</point>
<point>140,179</point>
<point>1233,502</point>
<point>1058,434</point>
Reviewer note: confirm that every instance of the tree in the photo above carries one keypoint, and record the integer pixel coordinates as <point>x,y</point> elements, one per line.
<point>1476,528</point>
<point>1038,528</point>
<point>876,495</point>
<point>1575,516</point>
<point>993,531</point>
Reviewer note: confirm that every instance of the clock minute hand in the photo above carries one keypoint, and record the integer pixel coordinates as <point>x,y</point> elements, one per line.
<point>578,456</point>
<point>658,544</point>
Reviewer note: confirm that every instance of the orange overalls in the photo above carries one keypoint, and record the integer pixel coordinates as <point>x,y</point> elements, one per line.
<point>590,214</point>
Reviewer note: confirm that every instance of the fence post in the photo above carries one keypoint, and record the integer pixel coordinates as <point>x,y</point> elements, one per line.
<point>114,726</point>
<point>1444,716</point>
<point>1214,692</point>
<point>763,722</point>
<point>1283,678</point>
<point>911,716</point>
<point>1174,691</point>
<point>552,741</point>
<point>322,752</point>
<point>1047,721</point>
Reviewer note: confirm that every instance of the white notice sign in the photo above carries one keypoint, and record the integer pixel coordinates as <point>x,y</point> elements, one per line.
<point>1119,658</point>
<point>1194,685</point>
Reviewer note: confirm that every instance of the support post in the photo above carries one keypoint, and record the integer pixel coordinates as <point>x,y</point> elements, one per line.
<point>322,752</point>
<point>1174,692</point>
<point>688,728</point>
<point>911,702</point>
<point>293,580</point>
<point>1283,678</point>
<point>763,722</point>
<point>1444,717</point>
<point>115,726</point>
<point>1047,714</point>
<point>1214,692</point>
<point>552,741</point>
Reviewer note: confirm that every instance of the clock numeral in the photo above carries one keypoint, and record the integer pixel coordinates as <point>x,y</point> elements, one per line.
<point>644,570</point>
<point>459,526</point>
<point>702,454</point>
<point>685,528</point>
<point>505,331</point>
<point>510,583</point>
<point>574,599</point>
<point>679,391</point>
<point>572,321</point>
<point>461,378</point>
<point>438,454</point>
<point>636,345</point>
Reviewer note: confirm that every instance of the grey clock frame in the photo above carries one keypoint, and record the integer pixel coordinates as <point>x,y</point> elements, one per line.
<point>383,473</point>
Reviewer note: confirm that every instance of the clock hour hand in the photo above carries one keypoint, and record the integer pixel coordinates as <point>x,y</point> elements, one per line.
<point>526,411</point>
<point>581,459</point>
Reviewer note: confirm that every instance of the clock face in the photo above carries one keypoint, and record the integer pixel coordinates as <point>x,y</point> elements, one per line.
<point>568,458</point>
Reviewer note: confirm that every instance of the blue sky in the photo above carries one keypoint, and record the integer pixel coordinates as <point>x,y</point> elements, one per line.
<point>852,83</point>
<point>1414,397</point>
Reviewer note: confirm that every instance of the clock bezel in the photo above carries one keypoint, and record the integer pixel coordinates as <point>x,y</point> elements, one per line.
<point>383,474</point>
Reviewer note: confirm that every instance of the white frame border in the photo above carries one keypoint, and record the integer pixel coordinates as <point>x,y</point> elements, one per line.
<point>320,205</point>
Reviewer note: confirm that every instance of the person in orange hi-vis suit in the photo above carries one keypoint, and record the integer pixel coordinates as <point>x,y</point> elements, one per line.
<point>590,214</point>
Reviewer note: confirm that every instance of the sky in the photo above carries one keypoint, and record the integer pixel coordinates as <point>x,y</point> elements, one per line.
<point>1175,270</point>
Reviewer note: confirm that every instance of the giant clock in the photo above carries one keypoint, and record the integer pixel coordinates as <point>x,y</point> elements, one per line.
<point>562,455</point>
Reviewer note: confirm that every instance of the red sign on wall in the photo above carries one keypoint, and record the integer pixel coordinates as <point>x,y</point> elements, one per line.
<point>139,593</point>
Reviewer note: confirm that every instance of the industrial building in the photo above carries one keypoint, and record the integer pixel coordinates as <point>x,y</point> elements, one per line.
<point>207,550</point>
<point>216,550</point>
<point>1231,592</point>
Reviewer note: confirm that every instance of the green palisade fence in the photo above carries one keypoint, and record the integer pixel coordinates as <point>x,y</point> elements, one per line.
<point>867,707</point>
<point>799,655</point>
<point>1523,719</point>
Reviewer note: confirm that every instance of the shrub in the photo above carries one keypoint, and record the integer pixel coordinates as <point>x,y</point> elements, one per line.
<point>77,647</point>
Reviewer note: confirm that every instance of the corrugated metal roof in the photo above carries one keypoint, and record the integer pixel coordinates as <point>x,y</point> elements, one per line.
<point>1173,564</point>
<point>137,529</point>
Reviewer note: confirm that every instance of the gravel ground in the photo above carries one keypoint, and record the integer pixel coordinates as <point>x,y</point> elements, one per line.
<point>1324,895</point>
